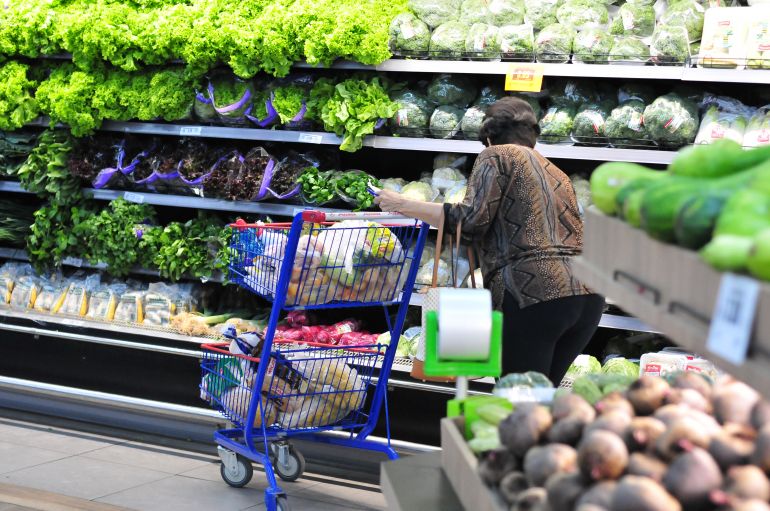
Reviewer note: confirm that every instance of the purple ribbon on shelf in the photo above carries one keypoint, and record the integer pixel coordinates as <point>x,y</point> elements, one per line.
<point>203,99</point>
<point>235,106</point>
<point>272,115</point>
<point>199,180</point>
<point>287,195</point>
<point>267,177</point>
<point>104,177</point>
<point>174,174</point>
<point>380,124</point>
<point>301,114</point>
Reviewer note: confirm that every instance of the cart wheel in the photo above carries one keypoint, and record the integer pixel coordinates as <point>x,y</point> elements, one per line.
<point>282,503</point>
<point>293,467</point>
<point>239,477</point>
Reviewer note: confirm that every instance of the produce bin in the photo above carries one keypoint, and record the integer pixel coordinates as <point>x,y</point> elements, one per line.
<point>666,286</point>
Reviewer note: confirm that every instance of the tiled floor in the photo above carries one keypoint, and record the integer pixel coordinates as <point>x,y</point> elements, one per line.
<point>146,477</point>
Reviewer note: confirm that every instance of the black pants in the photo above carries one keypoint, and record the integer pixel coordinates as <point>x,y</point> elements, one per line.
<point>546,337</point>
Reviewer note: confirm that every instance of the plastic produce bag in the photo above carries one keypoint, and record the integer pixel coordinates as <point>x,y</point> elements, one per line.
<point>454,90</point>
<point>533,102</point>
<point>758,42</point>
<point>409,36</point>
<point>517,42</point>
<point>629,50</point>
<point>413,116</point>
<point>130,308</point>
<point>670,45</point>
<point>541,13</point>
<point>638,91</point>
<point>445,178</point>
<point>686,13</point>
<point>724,43</point>
<point>758,130</point>
<point>393,184</point>
<point>25,292</point>
<point>717,124</point>
<point>471,123</point>
<point>588,126</point>
<point>436,12</point>
<point>446,122</point>
<point>418,190</point>
<point>454,160</point>
<point>634,20</point>
<point>448,40</point>
<point>625,126</point>
<point>104,301</point>
<point>232,98</point>
<point>425,274</point>
<point>554,43</point>
<point>456,194</point>
<point>572,93</point>
<point>671,121</point>
<point>582,14</point>
<point>482,42</point>
<point>556,124</point>
<point>592,46</point>
<point>78,293</point>
<point>51,294</point>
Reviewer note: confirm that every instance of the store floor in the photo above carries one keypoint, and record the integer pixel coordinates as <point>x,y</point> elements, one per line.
<point>142,477</point>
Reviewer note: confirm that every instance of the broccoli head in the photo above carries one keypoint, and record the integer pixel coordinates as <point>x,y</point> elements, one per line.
<point>554,43</point>
<point>445,121</point>
<point>582,14</point>
<point>471,123</point>
<point>670,44</point>
<point>436,12</point>
<point>671,121</point>
<point>629,49</point>
<point>589,121</point>
<point>517,41</point>
<point>592,45</point>
<point>413,115</point>
<point>624,126</point>
<point>689,14</point>
<point>482,41</point>
<point>634,20</point>
<point>408,35</point>
<point>449,89</point>
<point>556,124</point>
<point>541,13</point>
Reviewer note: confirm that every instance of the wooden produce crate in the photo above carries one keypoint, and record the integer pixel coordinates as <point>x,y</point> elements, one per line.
<point>460,466</point>
<point>668,287</point>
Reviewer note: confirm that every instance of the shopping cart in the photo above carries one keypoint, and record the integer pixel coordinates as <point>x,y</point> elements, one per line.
<point>295,389</point>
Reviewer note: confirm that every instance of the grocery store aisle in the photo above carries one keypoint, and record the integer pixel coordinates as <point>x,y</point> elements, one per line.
<point>148,477</point>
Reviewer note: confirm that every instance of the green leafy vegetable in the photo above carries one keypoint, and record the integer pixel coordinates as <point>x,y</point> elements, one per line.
<point>288,101</point>
<point>17,104</point>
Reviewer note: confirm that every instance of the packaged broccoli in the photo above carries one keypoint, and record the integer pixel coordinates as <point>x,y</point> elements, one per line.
<point>718,124</point>
<point>582,14</point>
<point>588,126</point>
<point>436,12</point>
<point>758,131</point>
<point>638,91</point>
<point>629,50</point>
<point>446,121</point>
<point>634,20</point>
<point>671,121</point>
<point>554,43</point>
<point>592,46</point>
<point>541,13</point>
<point>533,102</point>
<point>488,95</point>
<point>506,12</point>
<point>624,127</point>
<point>448,40</point>
<point>556,124</point>
<point>670,45</point>
<point>409,35</point>
<point>482,42</point>
<point>471,123</point>
<point>689,14</point>
<point>517,42</point>
<point>456,90</point>
<point>572,92</point>
<point>413,116</point>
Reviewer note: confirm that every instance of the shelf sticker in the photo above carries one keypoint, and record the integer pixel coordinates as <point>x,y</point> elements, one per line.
<point>73,261</point>
<point>137,198</point>
<point>524,77</point>
<point>190,131</point>
<point>310,138</point>
<point>733,318</point>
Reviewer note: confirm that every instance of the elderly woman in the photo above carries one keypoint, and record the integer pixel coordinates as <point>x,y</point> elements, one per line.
<point>521,214</point>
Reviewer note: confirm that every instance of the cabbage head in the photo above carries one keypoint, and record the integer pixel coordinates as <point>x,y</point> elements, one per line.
<point>584,364</point>
<point>622,366</point>
<point>418,190</point>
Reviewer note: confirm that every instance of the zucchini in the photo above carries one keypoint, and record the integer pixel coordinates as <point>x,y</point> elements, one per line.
<point>722,158</point>
<point>746,213</point>
<point>629,189</point>
<point>758,261</point>
<point>610,177</point>
<point>696,219</point>
<point>728,252</point>
<point>661,203</point>
<point>632,208</point>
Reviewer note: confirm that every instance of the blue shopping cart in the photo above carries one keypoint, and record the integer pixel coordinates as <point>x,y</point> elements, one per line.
<point>290,389</point>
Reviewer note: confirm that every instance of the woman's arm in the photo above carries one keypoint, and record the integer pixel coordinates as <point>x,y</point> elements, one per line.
<point>394,202</point>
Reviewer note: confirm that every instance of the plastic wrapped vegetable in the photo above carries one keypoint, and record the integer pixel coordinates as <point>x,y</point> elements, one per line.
<point>717,124</point>
<point>454,160</point>
<point>670,44</point>
<point>629,49</point>
<point>482,42</point>
<point>621,366</point>
<point>638,91</point>
<point>506,12</point>
<point>541,13</point>
<point>758,45</point>
<point>589,122</point>
<point>582,189</point>
<point>625,127</point>
<point>419,191</point>
<point>456,90</point>
<point>671,121</point>
<point>572,92</point>
<point>471,123</point>
<point>456,194</point>
<point>554,43</point>
<point>758,130</point>
<point>533,102</point>
<point>582,14</point>
<point>409,35</point>
<point>688,14</point>
<point>488,95</point>
<point>393,184</point>
<point>593,46</point>
<point>425,274</point>
<point>445,121</point>
<point>445,178</point>
<point>413,115</point>
<point>634,20</point>
<point>448,40</point>
<point>584,364</point>
<point>517,41</point>
<point>556,124</point>
<point>436,12</point>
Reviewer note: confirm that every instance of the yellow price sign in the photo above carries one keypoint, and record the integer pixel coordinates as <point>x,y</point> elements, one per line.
<point>525,77</point>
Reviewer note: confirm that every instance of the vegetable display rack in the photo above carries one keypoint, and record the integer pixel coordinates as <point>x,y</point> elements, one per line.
<point>283,389</point>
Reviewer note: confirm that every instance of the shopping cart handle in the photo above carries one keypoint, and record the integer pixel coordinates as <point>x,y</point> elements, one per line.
<point>319,216</point>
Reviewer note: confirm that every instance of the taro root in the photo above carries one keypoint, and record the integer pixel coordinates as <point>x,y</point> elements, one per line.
<point>643,432</point>
<point>733,445</point>
<point>682,435</point>
<point>690,398</point>
<point>747,482</point>
<point>511,485</point>
<point>495,465</point>
<point>540,463</point>
<point>567,431</point>
<point>760,414</point>
<point>761,455</point>
<point>645,465</point>
<point>647,394</point>
<point>564,490</point>
<point>532,499</point>
<point>615,421</point>
<point>694,381</point>
<point>733,402</point>
<point>599,495</point>
<point>691,477</point>
<point>614,402</point>
<point>602,455</point>
<point>572,405</point>
<point>642,494</point>
<point>524,428</point>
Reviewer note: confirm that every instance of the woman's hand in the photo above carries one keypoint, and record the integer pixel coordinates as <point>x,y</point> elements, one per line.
<point>390,201</point>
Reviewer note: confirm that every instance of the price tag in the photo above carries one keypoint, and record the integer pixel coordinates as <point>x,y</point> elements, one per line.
<point>137,198</point>
<point>733,318</point>
<point>73,261</point>
<point>524,77</point>
<point>190,131</point>
<point>310,138</point>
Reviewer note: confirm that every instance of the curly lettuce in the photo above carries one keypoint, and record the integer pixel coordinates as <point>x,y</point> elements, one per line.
<point>17,104</point>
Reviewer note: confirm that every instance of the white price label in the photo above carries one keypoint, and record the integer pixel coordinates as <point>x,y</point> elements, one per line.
<point>73,261</point>
<point>190,131</point>
<point>733,318</point>
<point>137,198</point>
<point>310,138</point>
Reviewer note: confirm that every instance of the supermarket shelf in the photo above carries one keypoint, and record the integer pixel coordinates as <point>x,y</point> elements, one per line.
<point>726,75</point>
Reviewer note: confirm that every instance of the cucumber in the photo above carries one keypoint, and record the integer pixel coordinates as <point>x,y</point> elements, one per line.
<point>632,208</point>
<point>629,189</point>
<point>610,177</point>
<point>696,219</point>
<point>661,204</point>
<point>746,213</point>
<point>722,158</point>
